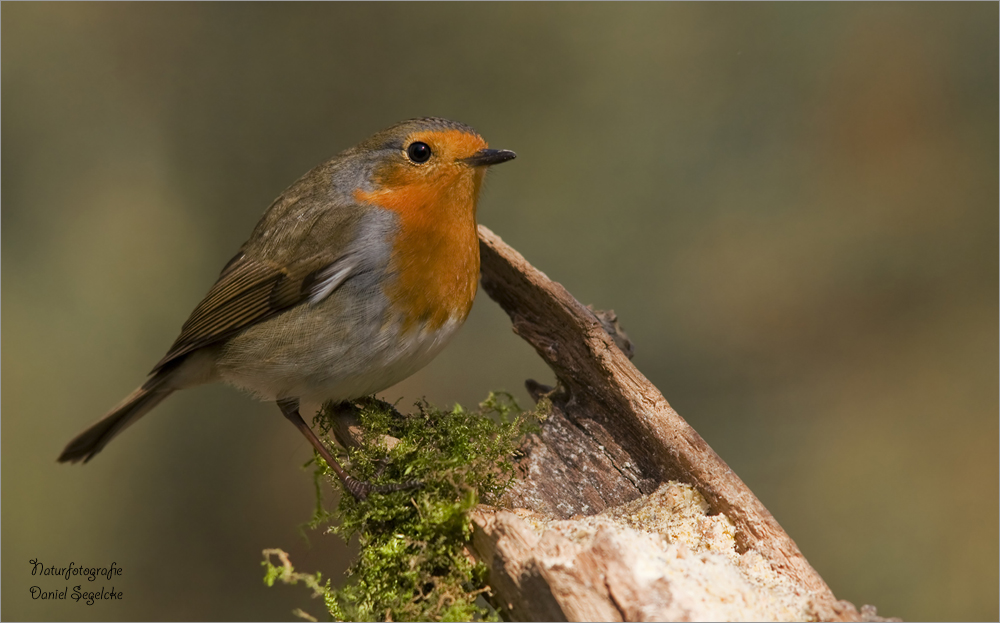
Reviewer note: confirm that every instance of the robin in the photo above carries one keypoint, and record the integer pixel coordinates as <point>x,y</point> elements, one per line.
<point>354,279</point>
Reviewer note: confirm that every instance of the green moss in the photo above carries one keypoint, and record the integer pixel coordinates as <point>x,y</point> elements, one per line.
<point>412,564</point>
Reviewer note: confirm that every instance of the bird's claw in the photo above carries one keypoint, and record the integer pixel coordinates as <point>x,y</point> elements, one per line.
<point>361,489</point>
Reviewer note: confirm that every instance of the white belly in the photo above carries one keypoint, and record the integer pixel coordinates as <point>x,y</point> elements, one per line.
<point>312,355</point>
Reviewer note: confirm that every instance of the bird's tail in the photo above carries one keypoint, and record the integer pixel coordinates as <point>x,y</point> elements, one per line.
<point>88,443</point>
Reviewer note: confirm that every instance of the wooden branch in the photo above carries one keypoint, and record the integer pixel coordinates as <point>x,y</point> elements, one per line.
<point>612,438</point>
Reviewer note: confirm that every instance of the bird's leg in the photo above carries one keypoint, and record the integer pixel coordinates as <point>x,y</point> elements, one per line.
<point>358,488</point>
<point>380,467</point>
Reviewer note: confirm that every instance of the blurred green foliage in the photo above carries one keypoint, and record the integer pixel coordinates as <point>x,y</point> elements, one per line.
<point>792,208</point>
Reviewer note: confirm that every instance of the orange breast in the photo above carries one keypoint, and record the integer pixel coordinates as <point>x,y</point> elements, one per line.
<point>435,255</point>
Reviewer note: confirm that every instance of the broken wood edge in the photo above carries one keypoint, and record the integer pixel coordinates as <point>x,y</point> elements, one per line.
<point>588,364</point>
<point>661,557</point>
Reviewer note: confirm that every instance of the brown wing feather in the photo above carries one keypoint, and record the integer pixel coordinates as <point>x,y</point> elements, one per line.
<point>265,277</point>
<point>245,294</point>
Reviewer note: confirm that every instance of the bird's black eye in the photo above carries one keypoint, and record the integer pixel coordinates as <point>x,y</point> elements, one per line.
<point>419,152</point>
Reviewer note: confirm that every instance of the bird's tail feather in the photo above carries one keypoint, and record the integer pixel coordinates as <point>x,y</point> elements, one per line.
<point>88,443</point>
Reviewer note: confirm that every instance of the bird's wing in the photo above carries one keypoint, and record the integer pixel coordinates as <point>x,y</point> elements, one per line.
<point>249,292</point>
<point>306,245</point>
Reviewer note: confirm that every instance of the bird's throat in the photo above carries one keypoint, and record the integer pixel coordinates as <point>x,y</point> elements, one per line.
<point>435,256</point>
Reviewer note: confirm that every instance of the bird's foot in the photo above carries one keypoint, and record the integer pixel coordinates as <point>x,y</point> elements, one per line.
<point>361,489</point>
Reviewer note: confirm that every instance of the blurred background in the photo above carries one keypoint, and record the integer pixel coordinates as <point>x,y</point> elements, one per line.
<point>793,209</point>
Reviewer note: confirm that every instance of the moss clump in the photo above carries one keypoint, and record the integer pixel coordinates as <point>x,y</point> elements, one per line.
<point>412,564</point>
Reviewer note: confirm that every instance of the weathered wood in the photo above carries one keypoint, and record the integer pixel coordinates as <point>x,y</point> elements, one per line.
<point>612,437</point>
<point>659,558</point>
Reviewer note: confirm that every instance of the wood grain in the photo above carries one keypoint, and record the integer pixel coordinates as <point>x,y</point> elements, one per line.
<point>612,437</point>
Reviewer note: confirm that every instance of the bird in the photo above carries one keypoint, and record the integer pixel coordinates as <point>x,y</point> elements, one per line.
<point>356,276</point>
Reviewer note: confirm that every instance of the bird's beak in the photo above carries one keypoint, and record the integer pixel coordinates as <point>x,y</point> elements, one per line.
<point>488,157</point>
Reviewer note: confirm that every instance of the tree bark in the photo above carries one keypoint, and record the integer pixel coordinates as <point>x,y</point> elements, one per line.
<point>613,449</point>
